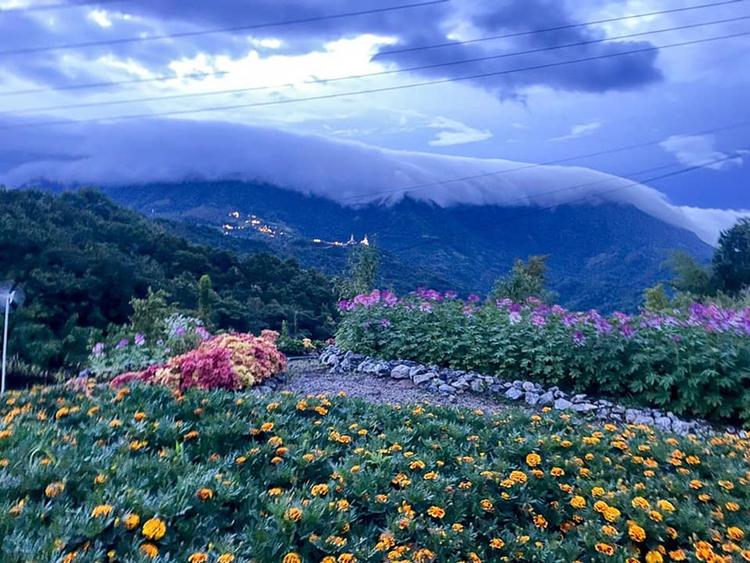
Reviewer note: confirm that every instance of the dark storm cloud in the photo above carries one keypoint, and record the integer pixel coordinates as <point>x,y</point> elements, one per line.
<point>415,26</point>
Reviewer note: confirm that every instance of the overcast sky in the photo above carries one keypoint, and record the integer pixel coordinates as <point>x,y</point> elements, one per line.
<point>670,94</point>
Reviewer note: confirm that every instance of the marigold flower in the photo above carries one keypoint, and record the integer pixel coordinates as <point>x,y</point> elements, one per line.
<point>497,543</point>
<point>436,512</point>
<point>605,549</point>
<point>131,521</point>
<point>54,489</point>
<point>533,459</point>
<point>735,533</point>
<point>204,494</point>
<point>102,510</point>
<point>154,529</point>
<point>225,558</point>
<point>654,557</point>
<point>636,533</point>
<point>149,550</point>
<point>198,558</point>
<point>293,514</point>
<point>578,502</point>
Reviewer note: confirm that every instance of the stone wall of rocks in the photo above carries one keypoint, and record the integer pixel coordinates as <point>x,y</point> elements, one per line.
<point>455,382</point>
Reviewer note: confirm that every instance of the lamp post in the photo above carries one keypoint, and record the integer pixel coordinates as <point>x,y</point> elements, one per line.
<point>9,296</point>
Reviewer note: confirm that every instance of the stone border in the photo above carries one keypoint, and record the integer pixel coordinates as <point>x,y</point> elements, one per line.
<point>455,382</point>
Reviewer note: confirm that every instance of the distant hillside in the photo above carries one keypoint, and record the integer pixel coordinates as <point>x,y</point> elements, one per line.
<point>81,258</point>
<point>601,256</point>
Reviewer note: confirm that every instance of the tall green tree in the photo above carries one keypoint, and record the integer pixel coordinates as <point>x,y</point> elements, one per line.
<point>731,261</point>
<point>526,279</point>
<point>362,277</point>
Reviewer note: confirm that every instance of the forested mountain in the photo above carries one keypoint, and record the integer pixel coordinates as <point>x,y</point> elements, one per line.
<point>80,259</point>
<point>601,256</point>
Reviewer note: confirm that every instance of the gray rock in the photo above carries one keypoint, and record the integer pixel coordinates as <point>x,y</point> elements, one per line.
<point>531,398</point>
<point>420,378</point>
<point>478,386</point>
<point>664,422</point>
<point>562,404</point>
<point>447,389</point>
<point>643,419</point>
<point>583,407</point>
<point>400,372</point>
<point>547,398</point>
<point>416,370</point>
<point>514,393</point>
<point>527,386</point>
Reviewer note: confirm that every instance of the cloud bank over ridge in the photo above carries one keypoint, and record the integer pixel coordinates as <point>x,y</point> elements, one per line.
<point>141,152</point>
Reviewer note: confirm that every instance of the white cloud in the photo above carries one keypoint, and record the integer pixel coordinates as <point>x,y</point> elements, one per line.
<point>697,150</point>
<point>456,133</point>
<point>352,173</point>
<point>577,131</point>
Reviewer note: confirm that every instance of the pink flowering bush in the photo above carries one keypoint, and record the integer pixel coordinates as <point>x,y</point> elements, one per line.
<point>227,361</point>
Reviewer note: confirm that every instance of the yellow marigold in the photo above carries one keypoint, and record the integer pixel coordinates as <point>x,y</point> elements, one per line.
<point>102,510</point>
<point>149,550</point>
<point>131,521</point>
<point>457,527</point>
<point>17,508</point>
<point>292,558</point>
<point>497,543</point>
<point>654,557</point>
<point>677,555</point>
<point>608,530</point>
<point>430,476</point>
<point>342,505</point>
<point>423,555</point>
<point>154,529</point>
<point>436,512</point>
<point>225,558</point>
<point>319,490</point>
<point>735,533</point>
<point>518,477</point>
<point>605,549</point>
<point>732,506</point>
<point>347,558</point>
<point>486,505</point>
<point>636,533</point>
<point>54,489</point>
<point>386,542</point>
<point>540,521</point>
<point>204,494</point>
<point>611,514</point>
<point>266,427</point>
<point>533,459</point>
<point>640,502</point>
<point>578,502</point>
<point>600,506</point>
<point>557,472</point>
<point>597,491</point>
<point>198,557</point>
<point>294,514</point>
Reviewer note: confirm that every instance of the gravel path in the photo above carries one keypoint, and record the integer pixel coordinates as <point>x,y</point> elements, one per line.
<point>308,377</point>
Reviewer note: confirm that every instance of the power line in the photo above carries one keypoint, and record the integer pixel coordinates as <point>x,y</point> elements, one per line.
<point>565,160</point>
<point>588,197</point>
<point>58,6</point>
<point>371,90</point>
<point>455,43</point>
<point>372,74</point>
<point>125,40</point>
<point>556,28</point>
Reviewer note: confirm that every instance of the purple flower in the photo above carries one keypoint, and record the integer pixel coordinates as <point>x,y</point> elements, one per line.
<point>538,320</point>
<point>385,323</point>
<point>98,349</point>
<point>579,339</point>
<point>122,344</point>
<point>514,317</point>
<point>473,298</point>
<point>425,307</point>
<point>627,331</point>
<point>202,333</point>
<point>450,295</point>
<point>139,339</point>
<point>179,331</point>
<point>345,305</point>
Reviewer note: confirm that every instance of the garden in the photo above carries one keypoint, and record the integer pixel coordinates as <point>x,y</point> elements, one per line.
<point>694,362</point>
<point>151,472</point>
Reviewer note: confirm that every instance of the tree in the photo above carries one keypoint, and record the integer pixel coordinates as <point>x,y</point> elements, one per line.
<point>655,299</point>
<point>205,299</point>
<point>690,277</point>
<point>731,261</point>
<point>150,313</point>
<point>364,262</point>
<point>526,279</point>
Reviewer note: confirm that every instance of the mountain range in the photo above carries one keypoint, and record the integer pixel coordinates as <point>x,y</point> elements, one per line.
<point>601,256</point>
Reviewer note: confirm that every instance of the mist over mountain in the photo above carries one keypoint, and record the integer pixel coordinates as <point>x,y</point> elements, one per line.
<point>350,173</point>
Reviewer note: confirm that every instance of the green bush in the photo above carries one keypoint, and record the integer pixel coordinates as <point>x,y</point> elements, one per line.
<point>695,364</point>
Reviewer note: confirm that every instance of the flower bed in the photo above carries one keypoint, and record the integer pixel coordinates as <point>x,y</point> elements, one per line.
<point>695,364</point>
<point>227,361</point>
<point>222,477</point>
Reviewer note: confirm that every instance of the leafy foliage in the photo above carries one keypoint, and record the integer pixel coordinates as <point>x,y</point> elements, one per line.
<point>362,277</point>
<point>697,364</point>
<point>731,262</point>
<point>526,279</point>
<point>81,259</point>
<point>231,477</point>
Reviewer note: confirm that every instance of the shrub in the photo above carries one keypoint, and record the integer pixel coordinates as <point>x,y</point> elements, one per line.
<point>695,363</point>
<point>236,477</point>
<point>227,361</point>
<point>128,349</point>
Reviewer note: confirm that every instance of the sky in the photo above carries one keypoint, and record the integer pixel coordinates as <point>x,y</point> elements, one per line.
<point>520,96</point>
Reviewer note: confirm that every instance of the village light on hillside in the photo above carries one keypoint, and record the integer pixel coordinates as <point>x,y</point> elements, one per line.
<point>8,296</point>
